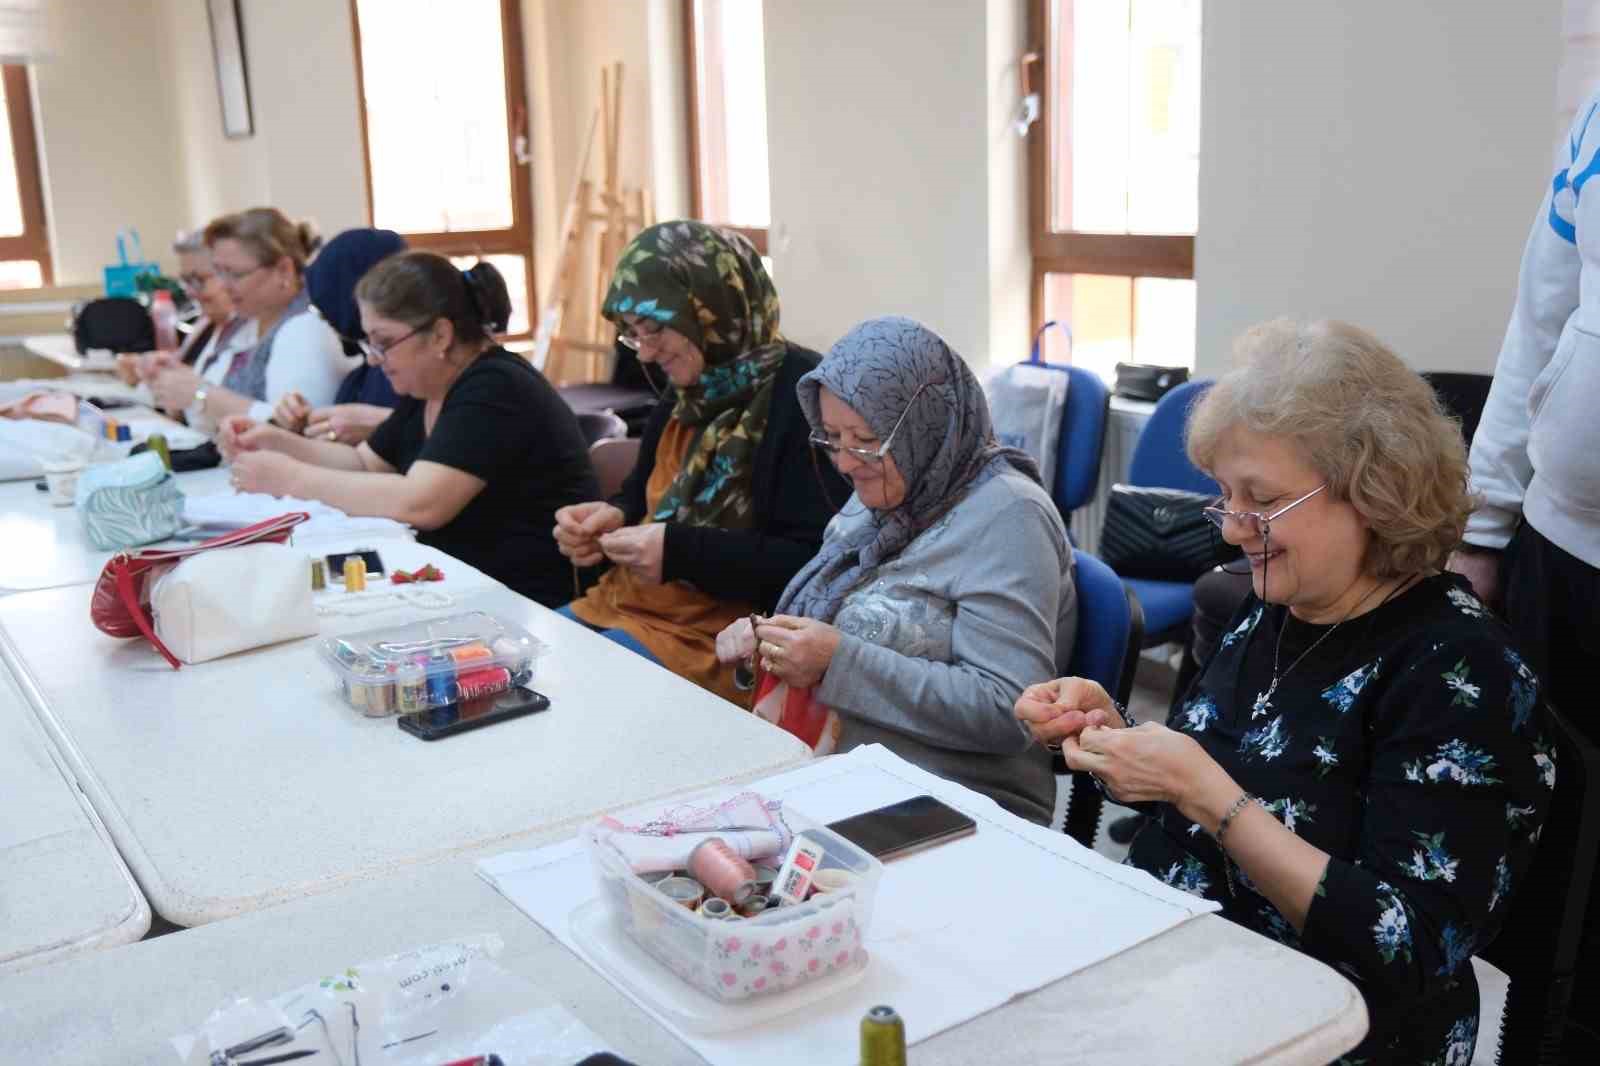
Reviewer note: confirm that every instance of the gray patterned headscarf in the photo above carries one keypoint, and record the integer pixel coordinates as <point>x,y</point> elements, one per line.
<point>945,448</point>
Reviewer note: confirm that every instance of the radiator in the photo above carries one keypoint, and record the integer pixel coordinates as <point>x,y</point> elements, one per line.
<point>1126,420</point>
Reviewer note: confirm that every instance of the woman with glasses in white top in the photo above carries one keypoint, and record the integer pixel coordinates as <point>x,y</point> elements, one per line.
<point>260,258</point>
<point>726,501</point>
<point>942,588</point>
<point>1361,768</point>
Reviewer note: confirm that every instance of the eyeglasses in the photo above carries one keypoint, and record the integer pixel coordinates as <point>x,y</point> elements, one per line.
<point>867,455</point>
<point>1257,523</point>
<point>233,277</point>
<point>634,337</point>
<point>377,354</point>
<point>195,282</point>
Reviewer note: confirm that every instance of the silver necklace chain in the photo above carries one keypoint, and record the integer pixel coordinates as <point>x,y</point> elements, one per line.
<point>1265,699</point>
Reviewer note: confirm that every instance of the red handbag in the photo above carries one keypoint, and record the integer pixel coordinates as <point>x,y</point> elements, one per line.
<point>118,607</point>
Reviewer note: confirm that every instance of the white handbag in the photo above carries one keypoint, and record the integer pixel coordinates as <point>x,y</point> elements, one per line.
<point>219,602</point>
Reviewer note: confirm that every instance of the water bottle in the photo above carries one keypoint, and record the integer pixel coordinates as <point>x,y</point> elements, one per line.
<point>164,315</point>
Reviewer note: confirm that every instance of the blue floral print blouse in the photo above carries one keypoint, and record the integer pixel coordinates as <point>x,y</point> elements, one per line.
<point>1409,746</point>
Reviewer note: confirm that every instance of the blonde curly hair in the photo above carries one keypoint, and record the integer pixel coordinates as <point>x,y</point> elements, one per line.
<point>1361,418</point>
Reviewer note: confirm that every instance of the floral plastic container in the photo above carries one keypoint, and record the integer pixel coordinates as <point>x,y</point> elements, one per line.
<point>779,950</point>
<point>432,663</point>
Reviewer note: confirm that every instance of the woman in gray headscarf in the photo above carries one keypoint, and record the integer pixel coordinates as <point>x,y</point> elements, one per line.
<point>942,588</point>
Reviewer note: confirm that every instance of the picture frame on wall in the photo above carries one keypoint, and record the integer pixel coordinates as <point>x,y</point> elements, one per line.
<point>233,84</point>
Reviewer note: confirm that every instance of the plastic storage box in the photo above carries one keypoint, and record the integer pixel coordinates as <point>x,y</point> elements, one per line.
<point>776,951</point>
<point>433,663</point>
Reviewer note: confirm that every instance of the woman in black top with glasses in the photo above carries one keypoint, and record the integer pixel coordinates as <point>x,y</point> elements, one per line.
<point>480,453</point>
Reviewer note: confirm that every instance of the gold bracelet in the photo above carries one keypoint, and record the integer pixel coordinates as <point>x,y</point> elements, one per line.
<point>1227,819</point>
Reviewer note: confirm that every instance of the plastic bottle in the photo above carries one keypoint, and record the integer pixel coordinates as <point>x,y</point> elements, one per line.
<point>164,314</point>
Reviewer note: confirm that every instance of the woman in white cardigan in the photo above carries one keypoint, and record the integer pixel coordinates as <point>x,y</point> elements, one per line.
<point>261,257</point>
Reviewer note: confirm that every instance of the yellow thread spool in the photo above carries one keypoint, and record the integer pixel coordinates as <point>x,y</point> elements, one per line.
<point>355,574</point>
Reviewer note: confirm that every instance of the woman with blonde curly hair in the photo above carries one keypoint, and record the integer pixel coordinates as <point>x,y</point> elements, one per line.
<point>1360,770</point>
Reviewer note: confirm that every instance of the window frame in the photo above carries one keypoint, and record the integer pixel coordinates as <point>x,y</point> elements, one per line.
<point>516,239</point>
<point>1131,255</point>
<point>34,241</point>
<point>757,235</point>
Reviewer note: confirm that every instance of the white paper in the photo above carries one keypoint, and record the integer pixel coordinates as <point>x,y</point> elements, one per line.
<point>957,930</point>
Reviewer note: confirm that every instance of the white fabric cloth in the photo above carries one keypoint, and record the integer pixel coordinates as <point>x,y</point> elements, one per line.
<point>308,358</point>
<point>948,939</point>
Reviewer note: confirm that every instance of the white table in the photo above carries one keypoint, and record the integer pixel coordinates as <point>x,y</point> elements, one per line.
<point>45,546</point>
<point>63,889</point>
<point>1194,994</point>
<point>60,348</point>
<point>247,782</point>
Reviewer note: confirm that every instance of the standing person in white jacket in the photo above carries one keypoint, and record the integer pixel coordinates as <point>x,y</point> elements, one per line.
<point>1533,546</point>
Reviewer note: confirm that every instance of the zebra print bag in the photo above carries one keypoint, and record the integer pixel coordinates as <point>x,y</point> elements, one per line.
<point>130,502</point>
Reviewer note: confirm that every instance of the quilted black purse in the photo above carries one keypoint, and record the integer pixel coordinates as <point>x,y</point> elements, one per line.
<point>1161,534</point>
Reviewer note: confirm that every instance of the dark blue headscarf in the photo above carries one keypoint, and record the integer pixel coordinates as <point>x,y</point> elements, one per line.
<point>331,282</point>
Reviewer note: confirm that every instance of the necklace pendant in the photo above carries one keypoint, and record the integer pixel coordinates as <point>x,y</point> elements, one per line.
<point>1263,702</point>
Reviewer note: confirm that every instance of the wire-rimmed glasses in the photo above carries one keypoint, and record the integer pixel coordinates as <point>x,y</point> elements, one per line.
<point>867,455</point>
<point>1257,523</point>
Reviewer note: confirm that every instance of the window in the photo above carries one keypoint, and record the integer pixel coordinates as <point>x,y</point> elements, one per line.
<point>444,126</point>
<point>1115,179</point>
<point>728,115</point>
<point>24,245</point>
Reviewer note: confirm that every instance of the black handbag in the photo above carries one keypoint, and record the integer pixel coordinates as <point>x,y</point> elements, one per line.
<point>1137,381</point>
<point>1161,534</point>
<point>115,323</point>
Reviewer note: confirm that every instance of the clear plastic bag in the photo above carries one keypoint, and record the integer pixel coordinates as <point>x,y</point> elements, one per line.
<point>415,1008</point>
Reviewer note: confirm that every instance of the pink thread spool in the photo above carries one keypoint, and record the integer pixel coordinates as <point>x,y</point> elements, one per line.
<point>724,873</point>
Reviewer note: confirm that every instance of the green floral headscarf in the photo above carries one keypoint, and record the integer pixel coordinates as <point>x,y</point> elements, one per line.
<point>709,285</point>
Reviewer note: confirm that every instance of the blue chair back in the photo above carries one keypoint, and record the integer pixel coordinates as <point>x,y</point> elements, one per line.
<point>1110,628</point>
<point>1110,632</point>
<point>1159,460</point>
<point>1083,439</point>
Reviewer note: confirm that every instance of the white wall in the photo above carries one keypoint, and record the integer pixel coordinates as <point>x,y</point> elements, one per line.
<point>1374,161</point>
<point>881,132</point>
<point>108,146</point>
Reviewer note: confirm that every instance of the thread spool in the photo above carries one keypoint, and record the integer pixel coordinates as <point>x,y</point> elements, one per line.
<point>319,578</point>
<point>724,873</point>
<point>471,684</point>
<point>442,687</point>
<point>684,891</point>
<point>753,906</point>
<point>467,654</point>
<point>717,909</point>
<point>883,1038</point>
<point>765,876</point>
<point>355,574</point>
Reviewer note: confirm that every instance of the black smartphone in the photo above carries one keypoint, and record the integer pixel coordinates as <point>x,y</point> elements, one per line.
<point>366,555</point>
<point>473,714</point>
<point>901,828</point>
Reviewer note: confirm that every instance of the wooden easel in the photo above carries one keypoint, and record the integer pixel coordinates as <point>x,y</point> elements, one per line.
<point>573,343</point>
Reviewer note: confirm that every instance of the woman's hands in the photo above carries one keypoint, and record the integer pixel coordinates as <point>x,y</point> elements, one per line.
<point>173,387</point>
<point>737,642</point>
<point>639,548</point>
<point>346,423</point>
<point>264,471</point>
<point>1136,764</point>
<point>580,527</point>
<point>1057,710</point>
<point>239,434</point>
<point>796,650</point>
<point>291,412</point>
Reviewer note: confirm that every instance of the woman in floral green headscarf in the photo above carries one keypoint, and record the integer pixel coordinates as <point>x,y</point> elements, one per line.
<point>725,503</point>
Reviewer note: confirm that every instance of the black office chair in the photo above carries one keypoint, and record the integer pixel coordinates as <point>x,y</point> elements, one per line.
<point>631,393</point>
<point>1539,945</point>
<point>601,425</point>
<point>1463,396</point>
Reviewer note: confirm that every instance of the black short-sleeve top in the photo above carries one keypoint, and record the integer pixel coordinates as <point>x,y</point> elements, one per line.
<point>502,422</point>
